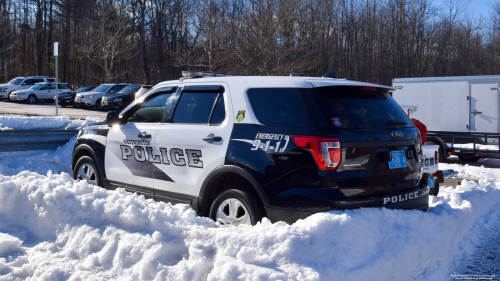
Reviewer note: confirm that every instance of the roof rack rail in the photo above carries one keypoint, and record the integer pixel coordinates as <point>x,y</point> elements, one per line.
<point>201,74</point>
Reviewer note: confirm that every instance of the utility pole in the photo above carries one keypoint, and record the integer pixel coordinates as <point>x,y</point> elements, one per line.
<point>56,54</point>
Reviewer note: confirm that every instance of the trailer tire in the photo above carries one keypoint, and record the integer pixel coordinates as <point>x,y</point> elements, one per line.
<point>468,157</point>
<point>434,191</point>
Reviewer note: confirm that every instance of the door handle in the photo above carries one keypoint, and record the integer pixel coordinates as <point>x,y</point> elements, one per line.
<point>144,136</point>
<point>212,138</point>
<point>476,112</point>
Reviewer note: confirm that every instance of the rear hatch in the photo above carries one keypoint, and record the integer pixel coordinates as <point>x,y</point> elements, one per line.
<point>378,142</point>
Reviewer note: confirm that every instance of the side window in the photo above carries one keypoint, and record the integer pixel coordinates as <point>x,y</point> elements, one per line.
<point>50,80</point>
<point>195,107</point>
<point>150,111</point>
<point>44,87</point>
<point>278,107</point>
<point>51,86</point>
<point>63,86</point>
<point>29,82</point>
<point>116,89</point>
<point>37,81</point>
<point>219,112</point>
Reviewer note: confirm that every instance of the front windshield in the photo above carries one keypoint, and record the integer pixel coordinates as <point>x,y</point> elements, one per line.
<point>129,90</point>
<point>16,81</point>
<point>36,86</point>
<point>102,88</point>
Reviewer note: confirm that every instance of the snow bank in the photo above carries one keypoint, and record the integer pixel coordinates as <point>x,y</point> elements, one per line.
<point>471,172</point>
<point>41,162</point>
<point>38,123</point>
<point>70,230</point>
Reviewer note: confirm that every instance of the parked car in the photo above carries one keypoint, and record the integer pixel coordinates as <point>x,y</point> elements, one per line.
<point>20,83</point>
<point>144,89</point>
<point>121,99</point>
<point>39,91</point>
<point>93,98</point>
<point>241,148</point>
<point>67,99</point>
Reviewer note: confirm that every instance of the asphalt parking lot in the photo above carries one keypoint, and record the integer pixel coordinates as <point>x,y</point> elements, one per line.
<point>47,109</point>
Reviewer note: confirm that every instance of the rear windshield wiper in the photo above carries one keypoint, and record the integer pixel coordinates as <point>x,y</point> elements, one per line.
<point>395,123</point>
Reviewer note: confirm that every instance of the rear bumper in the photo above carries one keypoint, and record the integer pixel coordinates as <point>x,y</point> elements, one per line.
<point>413,199</point>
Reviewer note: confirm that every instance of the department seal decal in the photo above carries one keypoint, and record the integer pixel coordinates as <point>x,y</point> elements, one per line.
<point>240,116</point>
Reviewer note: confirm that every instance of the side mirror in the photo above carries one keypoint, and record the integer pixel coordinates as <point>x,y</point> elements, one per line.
<point>113,118</point>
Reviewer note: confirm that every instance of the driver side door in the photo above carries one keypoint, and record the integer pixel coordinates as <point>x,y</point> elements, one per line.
<point>130,157</point>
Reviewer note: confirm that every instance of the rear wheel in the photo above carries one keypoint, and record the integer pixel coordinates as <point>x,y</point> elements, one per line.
<point>32,99</point>
<point>468,157</point>
<point>238,204</point>
<point>86,170</point>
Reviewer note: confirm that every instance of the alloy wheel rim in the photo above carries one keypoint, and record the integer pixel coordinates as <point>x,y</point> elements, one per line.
<point>232,212</point>
<point>32,99</point>
<point>87,173</point>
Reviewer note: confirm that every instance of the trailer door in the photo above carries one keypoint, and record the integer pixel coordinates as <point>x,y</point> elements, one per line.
<point>484,107</point>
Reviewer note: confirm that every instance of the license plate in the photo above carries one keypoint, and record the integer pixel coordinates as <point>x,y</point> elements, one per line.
<point>431,182</point>
<point>398,159</point>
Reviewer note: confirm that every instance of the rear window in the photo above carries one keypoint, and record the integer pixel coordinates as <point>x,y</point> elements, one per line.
<point>278,107</point>
<point>359,107</point>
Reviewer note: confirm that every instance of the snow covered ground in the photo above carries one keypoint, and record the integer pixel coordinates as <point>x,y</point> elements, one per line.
<point>38,123</point>
<point>53,228</point>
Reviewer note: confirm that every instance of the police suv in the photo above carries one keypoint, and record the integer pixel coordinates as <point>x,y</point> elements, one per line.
<point>240,148</point>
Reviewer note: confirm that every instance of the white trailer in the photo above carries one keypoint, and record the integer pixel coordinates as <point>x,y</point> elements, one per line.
<point>453,104</point>
<point>462,109</point>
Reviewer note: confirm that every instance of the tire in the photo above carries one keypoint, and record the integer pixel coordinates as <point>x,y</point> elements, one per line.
<point>468,157</point>
<point>98,105</point>
<point>434,191</point>
<point>92,177</point>
<point>32,99</point>
<point>249,212</point>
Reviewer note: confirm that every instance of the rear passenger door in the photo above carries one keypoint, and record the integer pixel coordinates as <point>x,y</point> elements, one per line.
<point>129,157</point>
<point>194,139</point>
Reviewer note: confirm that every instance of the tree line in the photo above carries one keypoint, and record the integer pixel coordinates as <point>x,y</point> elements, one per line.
<point>149,41</point>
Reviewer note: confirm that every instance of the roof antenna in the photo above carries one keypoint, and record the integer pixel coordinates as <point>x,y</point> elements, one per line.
<point>331,74</point>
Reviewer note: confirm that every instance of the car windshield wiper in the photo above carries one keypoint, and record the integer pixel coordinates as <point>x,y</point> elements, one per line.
<point>395,123</point>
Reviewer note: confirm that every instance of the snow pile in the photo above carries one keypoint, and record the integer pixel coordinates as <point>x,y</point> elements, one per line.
<point>41,162</point>
<point>471,172</point>
<point>70,230</point>
<point>39,123</point>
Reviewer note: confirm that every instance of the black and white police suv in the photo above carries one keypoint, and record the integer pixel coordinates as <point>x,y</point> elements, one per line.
<point>240,148</point>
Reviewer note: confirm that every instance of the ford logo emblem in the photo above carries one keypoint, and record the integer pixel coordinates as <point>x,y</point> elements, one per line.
<point>397,134</point>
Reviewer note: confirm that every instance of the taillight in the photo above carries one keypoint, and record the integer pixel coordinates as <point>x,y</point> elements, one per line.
<point>325,150</point>
<point>436,157</point>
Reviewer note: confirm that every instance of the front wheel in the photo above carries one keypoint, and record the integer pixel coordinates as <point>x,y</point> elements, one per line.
<point>86,170</point>
<point>98,105</point>
<point>32,99</point>
<point>238,204</point>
